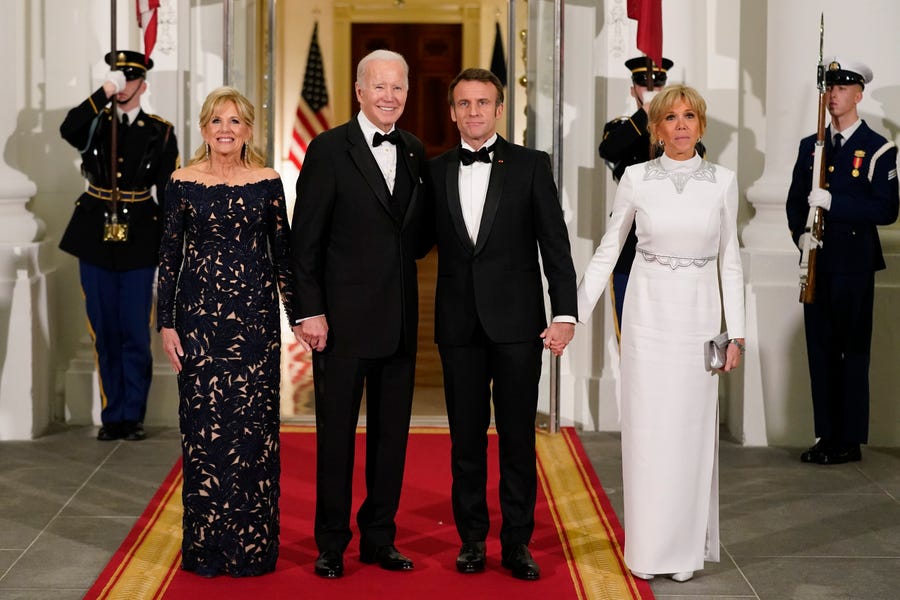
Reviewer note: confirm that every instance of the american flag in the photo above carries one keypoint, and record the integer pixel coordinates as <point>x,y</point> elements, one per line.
<point>147,20</point>
<point>311,109</point>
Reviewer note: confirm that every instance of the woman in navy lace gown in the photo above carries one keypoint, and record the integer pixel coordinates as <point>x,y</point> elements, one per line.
<point>223,260</point>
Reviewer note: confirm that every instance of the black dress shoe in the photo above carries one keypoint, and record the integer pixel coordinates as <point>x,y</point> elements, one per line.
<point>330,564</point>
<point>817,453</point>
<point>843,453</point>
<point>518,560</point>
<point>387,557</point>
<point>133,431</point>
<point>109,432</point>
<point>471,558</point>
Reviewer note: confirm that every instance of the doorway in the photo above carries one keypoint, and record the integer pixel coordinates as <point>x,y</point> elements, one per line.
<point>434,54</point>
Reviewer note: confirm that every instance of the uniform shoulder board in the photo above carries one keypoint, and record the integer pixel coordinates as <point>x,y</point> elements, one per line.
<point>160,119</point>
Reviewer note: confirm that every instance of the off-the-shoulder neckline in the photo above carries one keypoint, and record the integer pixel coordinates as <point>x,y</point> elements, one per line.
<point>225,185</point>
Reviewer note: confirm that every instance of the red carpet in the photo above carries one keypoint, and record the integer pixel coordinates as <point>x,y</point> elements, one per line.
<point>577,540</point>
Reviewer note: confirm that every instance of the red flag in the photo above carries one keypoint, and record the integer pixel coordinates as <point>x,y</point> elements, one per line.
<point>147,20</point>
<point>311,109</point>
<point>648,14</point>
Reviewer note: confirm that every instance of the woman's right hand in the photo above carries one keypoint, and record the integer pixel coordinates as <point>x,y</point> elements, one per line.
<point>172,346</point>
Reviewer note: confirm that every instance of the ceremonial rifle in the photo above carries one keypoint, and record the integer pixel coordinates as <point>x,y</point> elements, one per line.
<point>113,231</point>
<point>815,219</point>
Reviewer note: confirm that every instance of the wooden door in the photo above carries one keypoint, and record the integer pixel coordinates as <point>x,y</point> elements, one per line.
<point>434,54</point>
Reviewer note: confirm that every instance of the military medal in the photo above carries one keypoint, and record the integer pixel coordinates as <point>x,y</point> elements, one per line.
<point>857,162</point>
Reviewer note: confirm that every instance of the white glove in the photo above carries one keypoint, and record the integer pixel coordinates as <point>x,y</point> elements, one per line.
<point>819,198</point>
<point>647,96</point>
<point>117,79</point>
<point>802,242</point>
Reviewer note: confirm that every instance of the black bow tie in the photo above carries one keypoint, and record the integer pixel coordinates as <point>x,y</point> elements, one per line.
<point>391,138</point>
<point>467,157</point>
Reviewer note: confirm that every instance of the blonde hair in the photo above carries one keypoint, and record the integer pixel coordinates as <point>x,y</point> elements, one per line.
<point>663,102</point>
<point>250,156</point>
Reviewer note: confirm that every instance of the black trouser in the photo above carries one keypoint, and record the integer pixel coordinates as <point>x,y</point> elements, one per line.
<point>838,342</point>
<point>473,375</point>
<point>339,382</point>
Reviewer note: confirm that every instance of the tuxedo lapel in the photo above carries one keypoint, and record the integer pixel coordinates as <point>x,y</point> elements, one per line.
<point>453,203</point>
<point>412,164</point>
<point>365,162</point>
<point>494,192</point>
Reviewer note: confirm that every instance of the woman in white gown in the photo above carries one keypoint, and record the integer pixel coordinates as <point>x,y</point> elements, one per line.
<point>685,209</point>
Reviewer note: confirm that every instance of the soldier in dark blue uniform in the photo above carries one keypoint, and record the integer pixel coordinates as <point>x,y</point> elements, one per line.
<point>626,142</point>
<point>860,193</point>
<point>118,245</point>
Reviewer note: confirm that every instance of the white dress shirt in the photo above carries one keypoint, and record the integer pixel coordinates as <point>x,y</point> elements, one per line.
<point>473,184</point>
<point>385,154</point>
<point>847,132</point>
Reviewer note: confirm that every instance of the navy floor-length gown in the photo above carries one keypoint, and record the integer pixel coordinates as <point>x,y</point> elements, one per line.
<point>223,259</point>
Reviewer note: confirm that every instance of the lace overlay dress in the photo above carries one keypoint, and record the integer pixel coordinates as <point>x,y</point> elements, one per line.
<point>686,217</point>
<point>224,256</point>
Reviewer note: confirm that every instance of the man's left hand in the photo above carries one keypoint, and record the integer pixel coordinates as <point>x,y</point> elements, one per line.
<point>557,336</point>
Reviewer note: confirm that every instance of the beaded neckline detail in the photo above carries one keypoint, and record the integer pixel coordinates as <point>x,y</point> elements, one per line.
<point>655,170</point>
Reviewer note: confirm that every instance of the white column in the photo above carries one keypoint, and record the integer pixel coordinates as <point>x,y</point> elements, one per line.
<point>24,348</point>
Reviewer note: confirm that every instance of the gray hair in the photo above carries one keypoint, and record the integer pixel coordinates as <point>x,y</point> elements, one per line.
<point>381,55</point>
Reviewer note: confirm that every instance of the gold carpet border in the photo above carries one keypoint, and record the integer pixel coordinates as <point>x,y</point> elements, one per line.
<point>592,552</point>
<point>153,559</point>
<point>587,536</point>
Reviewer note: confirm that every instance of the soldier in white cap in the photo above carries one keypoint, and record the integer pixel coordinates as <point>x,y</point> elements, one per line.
<point>860,193</point>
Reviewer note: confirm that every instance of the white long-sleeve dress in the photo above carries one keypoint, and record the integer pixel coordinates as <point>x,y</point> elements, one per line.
<point>686,217</point>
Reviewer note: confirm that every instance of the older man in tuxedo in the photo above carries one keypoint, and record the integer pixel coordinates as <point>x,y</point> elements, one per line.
<point>492,206</point>
<point>355,226</point>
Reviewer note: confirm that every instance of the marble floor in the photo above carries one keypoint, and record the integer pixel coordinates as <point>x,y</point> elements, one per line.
<point>789,531</point>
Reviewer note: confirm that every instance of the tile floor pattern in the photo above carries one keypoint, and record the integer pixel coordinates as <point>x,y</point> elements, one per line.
<point>789,531</point>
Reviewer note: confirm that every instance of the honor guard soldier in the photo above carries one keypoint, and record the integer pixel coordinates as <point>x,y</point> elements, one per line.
<point>860,192</point>
<point>115,233</point>
<point>626,142</point>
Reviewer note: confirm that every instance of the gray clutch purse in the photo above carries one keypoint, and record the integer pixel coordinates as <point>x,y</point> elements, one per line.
<point>714,351</point>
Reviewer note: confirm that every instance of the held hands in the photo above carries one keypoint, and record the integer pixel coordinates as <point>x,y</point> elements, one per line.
<point>819,198</point>
<point>312,333</point>
<point>172,345</point>
<point>557,336</point>
<point>115,83</point>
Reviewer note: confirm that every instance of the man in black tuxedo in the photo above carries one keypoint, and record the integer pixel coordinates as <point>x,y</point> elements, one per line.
<point>862,193</point>
<point>355,225</point>
<point>492,206</point>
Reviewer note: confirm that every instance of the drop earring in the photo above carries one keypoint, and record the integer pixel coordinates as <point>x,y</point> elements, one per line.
<point>207,151</point>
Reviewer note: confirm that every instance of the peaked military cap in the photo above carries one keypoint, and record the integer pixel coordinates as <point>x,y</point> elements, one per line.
<point>846,72</point>
<point>638,68</point>
<point>131,63</point>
